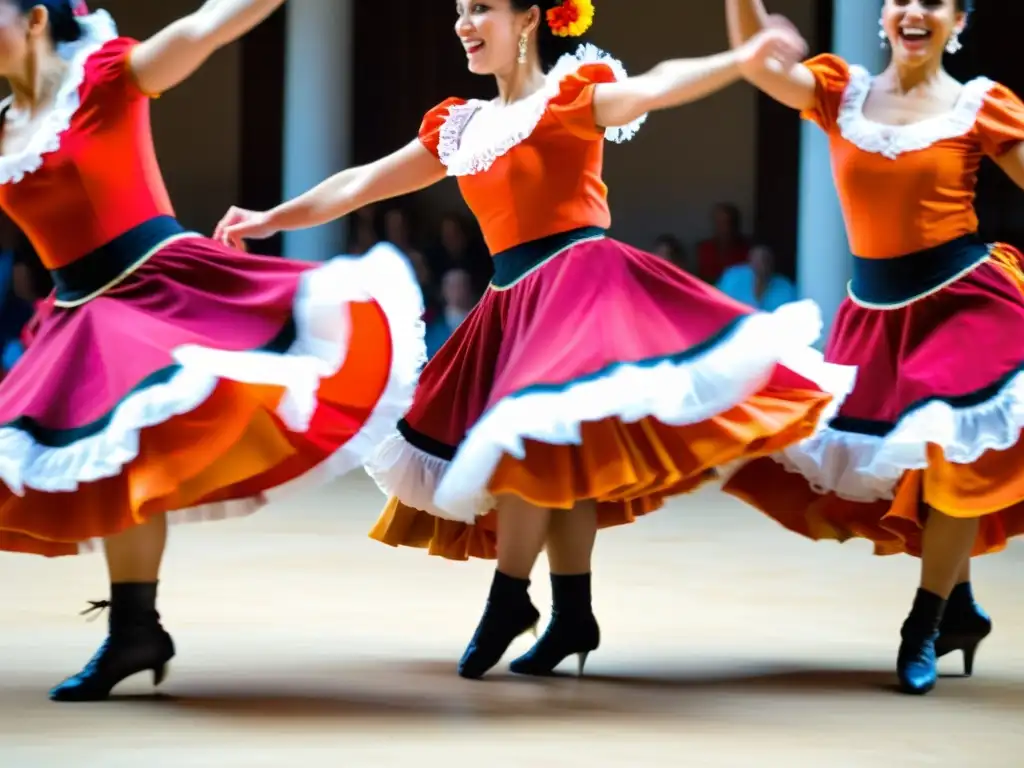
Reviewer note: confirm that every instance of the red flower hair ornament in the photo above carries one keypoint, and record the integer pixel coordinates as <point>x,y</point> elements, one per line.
<point>571,18</point>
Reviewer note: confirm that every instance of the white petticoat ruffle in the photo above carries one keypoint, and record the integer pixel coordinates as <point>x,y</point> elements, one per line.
<point>675,393</point>
<point>322,336</point>
<point>478,132</point>
<point>97,28</point>
<point>867,468</point>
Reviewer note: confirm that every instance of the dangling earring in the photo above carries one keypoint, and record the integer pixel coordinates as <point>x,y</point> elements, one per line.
<point>881,33</point>
<point>953,44</point>
<point>523,43</point>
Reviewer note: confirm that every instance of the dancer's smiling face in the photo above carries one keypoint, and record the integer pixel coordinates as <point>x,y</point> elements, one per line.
<point>490,32</point>
<point>918,30</point>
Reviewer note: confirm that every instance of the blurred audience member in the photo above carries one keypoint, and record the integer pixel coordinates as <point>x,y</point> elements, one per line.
<point>363,231</point>
<point>458,296</point>
<point>19,293</point>
<point>727,248</point>
<point>671,249</point>
<point>756,283</point>
<point>458,248</point>
<point>398,231</point>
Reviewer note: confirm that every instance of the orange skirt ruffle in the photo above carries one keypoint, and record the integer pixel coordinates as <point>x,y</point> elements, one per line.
<point>629,469</point>
<point>991,488</point>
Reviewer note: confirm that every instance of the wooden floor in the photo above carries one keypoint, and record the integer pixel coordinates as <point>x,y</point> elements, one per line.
<point>727,642</point>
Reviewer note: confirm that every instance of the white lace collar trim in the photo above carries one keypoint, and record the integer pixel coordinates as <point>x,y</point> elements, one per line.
<point>496,129</point>
<point>97,29</point>
<point>893,140</point>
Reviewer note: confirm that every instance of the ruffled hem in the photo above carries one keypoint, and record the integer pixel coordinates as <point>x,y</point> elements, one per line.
<point>97,29</point>
<point>867,468</point>
<point>404,471</point>
<point>322,336</point>
<point>675,393</point>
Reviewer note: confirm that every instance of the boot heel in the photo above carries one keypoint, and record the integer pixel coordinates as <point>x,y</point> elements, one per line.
<point>969,652</point>
<point>964,625</point>
<point>581,661</point>
<point>565,636</point>
<point>160,674</point>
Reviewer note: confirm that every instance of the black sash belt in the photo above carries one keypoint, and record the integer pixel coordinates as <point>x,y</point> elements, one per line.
<point>511,265</point>
<point>898,281</point>
<point>101,267</point>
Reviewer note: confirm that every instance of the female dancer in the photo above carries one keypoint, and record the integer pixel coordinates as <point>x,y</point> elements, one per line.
<point>924,455</point>
<point>592,380</point>
<point>168,374</point>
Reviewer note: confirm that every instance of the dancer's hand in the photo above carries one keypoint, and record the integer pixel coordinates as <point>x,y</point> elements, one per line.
<point>778,47</point>
<point>239,225</point>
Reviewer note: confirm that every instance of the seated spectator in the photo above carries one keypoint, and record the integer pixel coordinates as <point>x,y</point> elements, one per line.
<point>363,231</point>
<point>756,283</point>
<point>458,298</point>
<point>23,283</point>
<point>727,248</point>
<point>398,232</point>
<point>671,249</point>
<point>16,308</point>
<point>460,247</point>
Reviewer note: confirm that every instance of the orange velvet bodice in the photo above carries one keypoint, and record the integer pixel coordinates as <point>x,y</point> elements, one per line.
<point>908,188</point>
<point>90,174</point>
<point>530,169</point>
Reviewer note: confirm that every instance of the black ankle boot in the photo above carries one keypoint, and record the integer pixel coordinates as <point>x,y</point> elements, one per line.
<point>964,625</point>
<point>573,629</point>
<point>508,614</point>
<point>915,663</point>
<point>135,643</point>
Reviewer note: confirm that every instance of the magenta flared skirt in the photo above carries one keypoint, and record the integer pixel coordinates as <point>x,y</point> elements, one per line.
<point>594,371</point>
<point>202,383</point>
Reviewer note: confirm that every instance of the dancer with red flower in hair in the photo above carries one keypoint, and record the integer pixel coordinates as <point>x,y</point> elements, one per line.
<point>168,376</point>
<point>593,380</point>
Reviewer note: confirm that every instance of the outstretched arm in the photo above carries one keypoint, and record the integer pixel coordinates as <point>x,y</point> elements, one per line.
<point>793,85</point>
<point>673,83</point>
<point>408,170</point>
<point>179,49</point>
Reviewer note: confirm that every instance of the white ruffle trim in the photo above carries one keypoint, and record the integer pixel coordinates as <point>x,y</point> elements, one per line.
<point>893,140</point>
<point>675,393</point>
<point>403,470</point>
<point>322,334</point>
<point>477,133</point>
<point>97,28</point>
<point>866,468</point>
